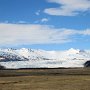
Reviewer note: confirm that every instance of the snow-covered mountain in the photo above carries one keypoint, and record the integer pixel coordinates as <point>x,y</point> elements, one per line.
<point>31,58</point>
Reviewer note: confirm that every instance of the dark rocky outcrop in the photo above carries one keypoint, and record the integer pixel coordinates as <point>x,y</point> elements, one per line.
<point>87,64</point>
<point>2,67</point>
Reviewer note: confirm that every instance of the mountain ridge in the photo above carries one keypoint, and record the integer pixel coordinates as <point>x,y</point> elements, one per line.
<point>32,58</point>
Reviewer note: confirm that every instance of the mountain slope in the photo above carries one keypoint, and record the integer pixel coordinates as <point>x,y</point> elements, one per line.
<point>31,58</point>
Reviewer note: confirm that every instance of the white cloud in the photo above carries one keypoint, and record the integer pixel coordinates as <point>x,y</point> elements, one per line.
<point>87,32</point>
<point>21,22</point>
<point>18,34</point>
<point>68,7</point>
<point>38,12</point>
<point>44,20</point>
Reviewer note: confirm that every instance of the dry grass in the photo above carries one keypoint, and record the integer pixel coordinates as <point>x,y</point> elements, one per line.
<point>48,79</point>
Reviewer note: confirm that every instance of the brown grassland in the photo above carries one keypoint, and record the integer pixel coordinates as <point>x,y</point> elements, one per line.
<point>45,79</point>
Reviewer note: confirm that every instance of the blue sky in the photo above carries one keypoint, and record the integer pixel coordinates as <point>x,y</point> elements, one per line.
<point>45,24</point>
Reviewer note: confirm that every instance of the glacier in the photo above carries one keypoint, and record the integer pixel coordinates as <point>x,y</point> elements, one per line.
<point>36,58</point>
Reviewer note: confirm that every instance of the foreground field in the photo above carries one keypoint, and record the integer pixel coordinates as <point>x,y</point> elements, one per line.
<point>45,79</point>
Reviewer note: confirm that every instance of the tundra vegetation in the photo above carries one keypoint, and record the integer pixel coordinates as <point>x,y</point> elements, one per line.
<point>45,79</point>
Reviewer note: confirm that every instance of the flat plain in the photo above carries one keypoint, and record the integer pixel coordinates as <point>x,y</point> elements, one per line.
<point>45,79</point>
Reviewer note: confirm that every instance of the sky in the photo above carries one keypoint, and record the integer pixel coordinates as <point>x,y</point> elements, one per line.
<point>45,24</point>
